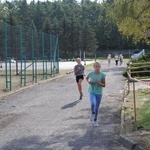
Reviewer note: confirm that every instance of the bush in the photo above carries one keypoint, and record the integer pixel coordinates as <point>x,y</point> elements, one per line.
<point>135,63</point>
<point>145,58</point>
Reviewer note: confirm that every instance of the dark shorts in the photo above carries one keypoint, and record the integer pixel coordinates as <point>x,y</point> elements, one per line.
<point>79,77</point>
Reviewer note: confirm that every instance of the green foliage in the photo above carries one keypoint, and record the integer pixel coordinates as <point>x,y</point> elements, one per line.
<point>144,70</point>
<point>85,26</point>
<point>145,58</point>
<point>125,74</point>
<point>132,18</point>
<point>142,64</point>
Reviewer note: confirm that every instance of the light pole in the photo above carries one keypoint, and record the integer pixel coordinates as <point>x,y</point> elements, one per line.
<point>80,55</point>
<point>0,62</point>
<point>84,59</point>
<point>1,65</point>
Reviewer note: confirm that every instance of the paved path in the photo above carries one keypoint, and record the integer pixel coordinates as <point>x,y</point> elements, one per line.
<point>50,116</point>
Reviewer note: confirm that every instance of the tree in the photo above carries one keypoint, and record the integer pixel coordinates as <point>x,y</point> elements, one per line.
<point>132,18</point>
<point>112,24</point>
<point>23,15</point>
<point>88,39</point>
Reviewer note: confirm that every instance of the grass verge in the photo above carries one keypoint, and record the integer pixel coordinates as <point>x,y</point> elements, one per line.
<point>139,131</point>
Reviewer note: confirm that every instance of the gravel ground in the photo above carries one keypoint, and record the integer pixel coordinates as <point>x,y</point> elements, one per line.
<point>49,116</point>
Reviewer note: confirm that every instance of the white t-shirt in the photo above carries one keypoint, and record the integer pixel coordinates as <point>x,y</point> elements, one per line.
<point>116,57</point>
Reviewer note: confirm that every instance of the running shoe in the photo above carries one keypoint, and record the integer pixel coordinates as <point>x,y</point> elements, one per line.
<point>81,95</point>
<point>92,117</point>
<point>96,124</point>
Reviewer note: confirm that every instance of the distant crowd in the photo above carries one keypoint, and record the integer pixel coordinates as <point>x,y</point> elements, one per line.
<point>117,58</point>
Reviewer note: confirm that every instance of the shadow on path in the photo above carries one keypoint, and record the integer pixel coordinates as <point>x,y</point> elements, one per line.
<point>70,104</point>
<point>76,137</point>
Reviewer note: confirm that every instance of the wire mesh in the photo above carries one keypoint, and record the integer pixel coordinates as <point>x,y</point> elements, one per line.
<point>32,55</point>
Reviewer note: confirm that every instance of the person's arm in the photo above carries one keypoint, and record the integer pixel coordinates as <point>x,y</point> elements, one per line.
<point>76,70</point>
<point>103,83</point>
<point>88,81</point>
<point>83,71</point>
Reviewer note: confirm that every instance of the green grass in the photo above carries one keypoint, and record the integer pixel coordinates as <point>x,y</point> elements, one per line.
<point>89,65</point>
<point>144,115</point>
<point>142,110</point>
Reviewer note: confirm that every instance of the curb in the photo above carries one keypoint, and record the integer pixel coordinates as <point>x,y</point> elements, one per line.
<point>130,144</point>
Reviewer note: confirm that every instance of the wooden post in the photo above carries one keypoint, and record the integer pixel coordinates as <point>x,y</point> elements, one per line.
<point>128,85</point>
<point>129,71</point>
<point>134,100</point>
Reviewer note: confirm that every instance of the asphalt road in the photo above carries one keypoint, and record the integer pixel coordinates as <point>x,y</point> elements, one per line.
<point>49,116</point>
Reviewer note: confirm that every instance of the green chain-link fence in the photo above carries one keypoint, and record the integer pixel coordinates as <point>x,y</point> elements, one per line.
<point>26,56</point>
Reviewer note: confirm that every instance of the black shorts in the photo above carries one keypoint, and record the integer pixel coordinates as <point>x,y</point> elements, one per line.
<point>79,77</point>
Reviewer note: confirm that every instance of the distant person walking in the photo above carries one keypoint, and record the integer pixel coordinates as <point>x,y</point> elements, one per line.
<point>121,59</point>
<point>96,80</point>
<point>79,73</point>
<point>116,57</point>
<point>109,59</point>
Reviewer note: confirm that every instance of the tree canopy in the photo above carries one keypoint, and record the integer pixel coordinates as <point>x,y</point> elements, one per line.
<point>132,18</point>
<point>87,26</point>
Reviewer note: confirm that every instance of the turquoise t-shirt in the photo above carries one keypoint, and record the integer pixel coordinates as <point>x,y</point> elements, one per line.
<point>94,87</point>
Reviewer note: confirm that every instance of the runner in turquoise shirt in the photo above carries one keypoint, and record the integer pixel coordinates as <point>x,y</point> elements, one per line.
<point>95,88</point>
<point>96,80</point>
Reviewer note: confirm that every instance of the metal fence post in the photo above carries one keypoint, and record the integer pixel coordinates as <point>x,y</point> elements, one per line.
<point>7,74</point>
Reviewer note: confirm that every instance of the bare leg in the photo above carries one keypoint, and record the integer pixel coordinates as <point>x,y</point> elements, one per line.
<point>80,88</point>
